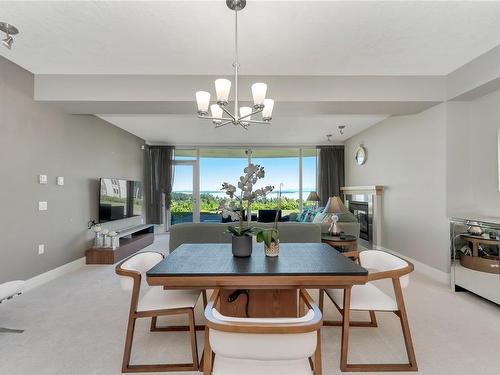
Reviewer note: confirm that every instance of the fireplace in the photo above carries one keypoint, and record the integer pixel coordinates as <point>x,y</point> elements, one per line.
<point>360,210</point>
<point>365,203</point>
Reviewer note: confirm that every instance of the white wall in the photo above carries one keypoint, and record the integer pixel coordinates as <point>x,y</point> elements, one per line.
<point>473,156</point>
<point>36,138</point>
<point>439,163</point>
<point>407,154</point>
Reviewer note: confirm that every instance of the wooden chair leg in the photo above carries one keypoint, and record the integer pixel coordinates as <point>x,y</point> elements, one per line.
<point>128,344</point>
<point>403,317</point>
<point>207,354</point>
<point>194,344</point>
<point>373,319</point>
<point>356,323</point>
<point>318,369</point>
<point>344,347</point>
<point>153,327</point>
<point>321,299</point>
<point>412,362</point>
<point>204,296</point>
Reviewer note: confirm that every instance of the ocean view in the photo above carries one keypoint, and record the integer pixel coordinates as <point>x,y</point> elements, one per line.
<point>290,194</point>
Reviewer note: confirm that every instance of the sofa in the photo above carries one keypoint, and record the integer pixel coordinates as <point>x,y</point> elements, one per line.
<point>217,233</point>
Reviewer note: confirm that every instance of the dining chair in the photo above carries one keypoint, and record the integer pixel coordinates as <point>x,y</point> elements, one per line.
<point>7,291</point>
<point>264,346</point>
<point>381,265</point>
<point>152,303</point>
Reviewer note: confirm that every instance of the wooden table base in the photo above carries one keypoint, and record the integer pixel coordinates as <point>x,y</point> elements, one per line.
<point>262,303</point>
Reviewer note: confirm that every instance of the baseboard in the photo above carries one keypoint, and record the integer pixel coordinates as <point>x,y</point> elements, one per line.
<point>424,269</point>
<point>54,273</point>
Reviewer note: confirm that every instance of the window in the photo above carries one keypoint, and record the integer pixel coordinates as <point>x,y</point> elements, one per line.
<point>199,174</point>
<point>308,174</point>
<point>218,166</point>
<point>282,172</point>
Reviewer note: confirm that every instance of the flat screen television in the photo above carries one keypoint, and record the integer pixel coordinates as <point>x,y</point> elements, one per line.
<point>120,199</point>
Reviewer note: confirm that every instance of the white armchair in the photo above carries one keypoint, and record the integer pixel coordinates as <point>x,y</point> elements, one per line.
<point>7,291</point>
<point>264,346</point>
<point>153,303</point>
<point>368,297</point>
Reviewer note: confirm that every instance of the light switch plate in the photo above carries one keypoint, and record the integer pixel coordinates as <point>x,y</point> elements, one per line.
<point>42,206</point>
<point>60,181</point>
<point>41,249</point>
<point>42,179</point>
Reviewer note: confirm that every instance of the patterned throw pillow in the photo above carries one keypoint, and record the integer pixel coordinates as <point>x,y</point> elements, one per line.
<point>302,216</point>
<point>310,216</point>
<point>320,217</point>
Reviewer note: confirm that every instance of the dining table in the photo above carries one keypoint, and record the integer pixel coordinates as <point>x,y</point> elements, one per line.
<point>259,285</point>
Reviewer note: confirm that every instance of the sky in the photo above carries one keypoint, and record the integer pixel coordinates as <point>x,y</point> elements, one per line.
<point>215,171</point>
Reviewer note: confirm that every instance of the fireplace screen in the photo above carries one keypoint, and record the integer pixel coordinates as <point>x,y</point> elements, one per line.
<point>360,210</point>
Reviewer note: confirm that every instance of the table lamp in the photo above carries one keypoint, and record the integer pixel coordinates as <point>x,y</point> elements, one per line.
<point>313,197</point>
<point>333,207</point>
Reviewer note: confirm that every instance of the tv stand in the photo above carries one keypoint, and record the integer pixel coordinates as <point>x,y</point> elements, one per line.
<point>131,240</point>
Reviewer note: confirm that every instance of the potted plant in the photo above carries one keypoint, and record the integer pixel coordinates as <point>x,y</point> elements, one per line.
<point>241,234</point>
<point>270,236</point>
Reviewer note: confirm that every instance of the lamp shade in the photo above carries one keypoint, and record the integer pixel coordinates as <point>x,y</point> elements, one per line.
<point>245,111</point>
<point>259,93</point>
<point>334,206</point>
<point>313,197</point>
<point>267,112</point>
<point>216,112</point>
<point>203,100</point>
<point>222,88</point>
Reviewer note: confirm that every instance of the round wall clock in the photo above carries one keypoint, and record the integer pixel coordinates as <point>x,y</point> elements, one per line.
<point>361,155</point>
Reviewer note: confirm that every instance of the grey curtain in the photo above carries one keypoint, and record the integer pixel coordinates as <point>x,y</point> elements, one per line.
<point>159,179</point>
<point>331,175</point>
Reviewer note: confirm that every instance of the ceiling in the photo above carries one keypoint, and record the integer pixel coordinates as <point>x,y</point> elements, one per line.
<point>276,37</point>
<point>328,63</point>
<point>183,130</point>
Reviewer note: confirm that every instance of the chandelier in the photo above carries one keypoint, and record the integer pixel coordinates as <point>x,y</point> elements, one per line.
<point>241,116</point>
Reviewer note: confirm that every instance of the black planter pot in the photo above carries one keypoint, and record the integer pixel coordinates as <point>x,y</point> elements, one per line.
<point>242,246</point>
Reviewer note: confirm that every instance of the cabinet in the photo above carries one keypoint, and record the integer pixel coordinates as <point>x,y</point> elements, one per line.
<point>475,264</point>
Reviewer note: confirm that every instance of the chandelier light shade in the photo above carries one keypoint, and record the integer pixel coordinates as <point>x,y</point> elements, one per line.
<point>246,114</point>
<point>267,112</point>
<point>240,116</point>
<point>216,113</point>
<point>203,100</point>
<point>259,94</point>
<point>222,89</point>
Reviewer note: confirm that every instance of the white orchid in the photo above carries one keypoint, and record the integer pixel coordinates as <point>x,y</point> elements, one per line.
<point>253,173</point>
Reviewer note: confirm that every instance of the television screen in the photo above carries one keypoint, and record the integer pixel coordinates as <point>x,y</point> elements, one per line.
<point>119,199</point>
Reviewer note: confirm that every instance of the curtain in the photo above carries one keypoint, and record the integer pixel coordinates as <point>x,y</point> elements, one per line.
<point>159,179</point>
<point>331,173</point>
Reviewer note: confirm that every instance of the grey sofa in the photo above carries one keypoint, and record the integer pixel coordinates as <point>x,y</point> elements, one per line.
<point>216,232</point>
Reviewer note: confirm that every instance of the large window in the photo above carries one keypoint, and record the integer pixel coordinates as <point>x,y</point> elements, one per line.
<point>282,172</point>
<point>309,177</point>
<point>199,174</point>
<point>218,166</point>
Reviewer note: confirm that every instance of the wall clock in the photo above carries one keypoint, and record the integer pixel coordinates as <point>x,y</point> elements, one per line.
<point>360,155</point>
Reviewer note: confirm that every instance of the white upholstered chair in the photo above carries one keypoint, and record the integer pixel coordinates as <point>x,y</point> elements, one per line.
<point>151,303</point>
<point>7,291</point>
<point>381,265</point>
<point>264,346</point>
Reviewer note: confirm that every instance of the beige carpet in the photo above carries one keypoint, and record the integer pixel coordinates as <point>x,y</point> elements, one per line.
<point>76,325</point>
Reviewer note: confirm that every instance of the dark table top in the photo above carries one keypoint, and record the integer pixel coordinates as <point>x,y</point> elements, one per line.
<point>343,237</point>
<point>295,259</point>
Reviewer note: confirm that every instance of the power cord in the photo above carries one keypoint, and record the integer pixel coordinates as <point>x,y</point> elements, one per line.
<point>234,296</point>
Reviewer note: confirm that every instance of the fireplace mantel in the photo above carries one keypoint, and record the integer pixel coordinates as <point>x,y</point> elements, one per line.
<point>371,190</point>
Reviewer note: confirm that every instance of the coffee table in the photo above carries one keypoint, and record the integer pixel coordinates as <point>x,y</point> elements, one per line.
<point>346,242</point>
